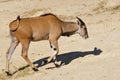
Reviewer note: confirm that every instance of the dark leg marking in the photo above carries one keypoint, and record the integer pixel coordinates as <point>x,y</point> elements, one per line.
<point>51,46</point>
<point>54,49</point>
<point>35,69</point>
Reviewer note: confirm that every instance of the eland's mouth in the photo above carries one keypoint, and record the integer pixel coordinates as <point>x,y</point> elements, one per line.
<point>86,37</point>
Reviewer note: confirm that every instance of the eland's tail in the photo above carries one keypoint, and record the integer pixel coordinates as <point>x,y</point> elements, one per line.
<point>15,24</point>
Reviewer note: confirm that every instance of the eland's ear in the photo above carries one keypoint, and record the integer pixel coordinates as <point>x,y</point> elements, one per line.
<point>80,22</point>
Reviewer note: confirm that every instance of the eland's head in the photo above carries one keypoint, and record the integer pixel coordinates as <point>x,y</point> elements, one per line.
<point>82,30</point>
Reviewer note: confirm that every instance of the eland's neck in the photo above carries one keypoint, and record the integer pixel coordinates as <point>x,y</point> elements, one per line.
<point>69,28</point>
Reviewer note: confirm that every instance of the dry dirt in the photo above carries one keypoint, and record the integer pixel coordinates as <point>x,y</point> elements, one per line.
<point>97,58</point>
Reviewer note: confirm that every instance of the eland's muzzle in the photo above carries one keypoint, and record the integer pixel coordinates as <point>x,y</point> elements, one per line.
<point>86,37</point>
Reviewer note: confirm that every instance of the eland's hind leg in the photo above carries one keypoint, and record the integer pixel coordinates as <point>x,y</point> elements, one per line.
<point>25,45</point>
<point>10,51</point>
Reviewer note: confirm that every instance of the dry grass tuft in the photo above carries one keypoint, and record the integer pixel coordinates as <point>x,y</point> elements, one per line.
<point>105,5</point>
<point>33,12</point>
<point>5,0</point>
<point>3,76</point>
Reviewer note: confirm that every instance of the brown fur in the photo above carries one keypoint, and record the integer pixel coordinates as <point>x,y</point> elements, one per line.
<point>44,27</point>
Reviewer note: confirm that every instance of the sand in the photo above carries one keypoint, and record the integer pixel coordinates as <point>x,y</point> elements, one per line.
<point>97,58</point>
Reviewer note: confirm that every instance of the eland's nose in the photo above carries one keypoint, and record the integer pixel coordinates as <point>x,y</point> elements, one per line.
<point>86,37</point>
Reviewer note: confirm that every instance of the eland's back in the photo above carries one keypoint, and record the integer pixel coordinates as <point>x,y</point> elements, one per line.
<point>38,28</point>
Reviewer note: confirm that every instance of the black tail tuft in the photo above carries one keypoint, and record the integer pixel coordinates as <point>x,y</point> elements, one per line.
<point>18,18</point>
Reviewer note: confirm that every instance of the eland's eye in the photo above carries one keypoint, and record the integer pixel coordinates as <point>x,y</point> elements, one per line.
<point>85,28</point>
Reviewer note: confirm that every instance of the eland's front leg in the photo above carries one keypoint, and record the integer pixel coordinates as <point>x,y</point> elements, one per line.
<point>55,50</point>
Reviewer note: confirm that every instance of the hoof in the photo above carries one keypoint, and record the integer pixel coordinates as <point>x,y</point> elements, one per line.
<point>57,65</point>
<point>35,69</point>
<point>8,73</point>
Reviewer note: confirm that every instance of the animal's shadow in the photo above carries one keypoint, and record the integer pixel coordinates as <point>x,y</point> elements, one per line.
<point>65,58</point>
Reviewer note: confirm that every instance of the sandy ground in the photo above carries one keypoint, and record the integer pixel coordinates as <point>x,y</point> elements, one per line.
<point>97,58</point>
